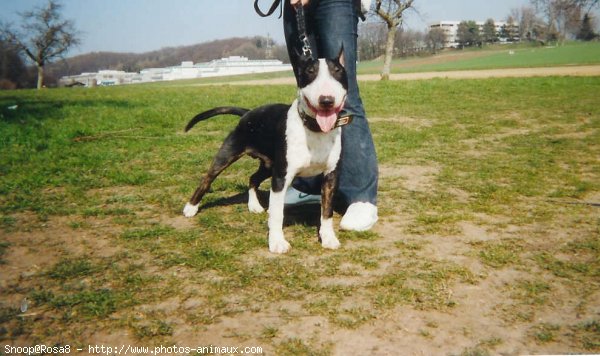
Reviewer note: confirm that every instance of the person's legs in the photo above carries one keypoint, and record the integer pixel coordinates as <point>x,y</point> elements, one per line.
<point>336,24</point>
<point>332,24</point>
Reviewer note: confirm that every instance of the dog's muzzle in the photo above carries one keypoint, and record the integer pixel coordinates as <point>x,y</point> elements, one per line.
<point>309,121</point>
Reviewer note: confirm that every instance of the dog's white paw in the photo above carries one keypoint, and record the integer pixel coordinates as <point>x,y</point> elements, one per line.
<point>278,244</point>
<point>328,240</point>
<point>190,210</point>
<point>327,235</point>
<point>255,207</point>
<point>253,203</point>
<point>331,243</point>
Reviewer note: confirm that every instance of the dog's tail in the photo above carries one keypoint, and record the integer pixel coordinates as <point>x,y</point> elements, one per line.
<point>223,110</point>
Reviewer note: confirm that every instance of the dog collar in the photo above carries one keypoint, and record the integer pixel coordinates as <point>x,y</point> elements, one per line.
<point>343,120</point>
<point>312,125</point>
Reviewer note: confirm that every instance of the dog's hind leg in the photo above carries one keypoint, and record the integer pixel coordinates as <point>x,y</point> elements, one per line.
<point>229,152</point>
<point>326,232</point>
<point>261,174</point>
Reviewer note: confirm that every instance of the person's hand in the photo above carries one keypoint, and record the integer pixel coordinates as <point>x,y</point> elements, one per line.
<point>295,2</point>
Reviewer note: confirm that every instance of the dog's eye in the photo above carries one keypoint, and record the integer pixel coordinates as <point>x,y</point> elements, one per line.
<point>310,70</point>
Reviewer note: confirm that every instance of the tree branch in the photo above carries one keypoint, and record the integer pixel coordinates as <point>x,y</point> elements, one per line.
<point>45,36</point>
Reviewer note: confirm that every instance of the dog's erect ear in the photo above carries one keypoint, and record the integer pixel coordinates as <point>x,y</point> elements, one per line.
<point>341,57</point>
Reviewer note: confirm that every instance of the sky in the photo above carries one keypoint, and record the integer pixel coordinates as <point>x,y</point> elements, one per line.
<point>145,25</point>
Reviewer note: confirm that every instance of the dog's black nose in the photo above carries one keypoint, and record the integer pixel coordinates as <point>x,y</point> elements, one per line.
<point>326,101</point>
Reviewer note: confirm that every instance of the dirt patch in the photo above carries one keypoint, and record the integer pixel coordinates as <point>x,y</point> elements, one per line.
<point>413,178</point>
<point>411,122</point>
<point>479,315</point>
<point>580,71</point>
<point>477,148</point>
<point>40,244</point>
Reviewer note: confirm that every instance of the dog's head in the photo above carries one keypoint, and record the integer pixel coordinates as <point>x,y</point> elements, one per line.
<point>322,89</point>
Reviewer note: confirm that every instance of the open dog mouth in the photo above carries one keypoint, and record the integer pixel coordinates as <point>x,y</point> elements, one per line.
<point>326,118</point>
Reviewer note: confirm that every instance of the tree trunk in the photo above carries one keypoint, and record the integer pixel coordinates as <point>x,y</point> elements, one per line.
<point>389,51</point>
<point>40,79</point>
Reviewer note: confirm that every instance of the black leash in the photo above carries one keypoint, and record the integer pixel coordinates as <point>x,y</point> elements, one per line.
<point>300,22</point>
<point>271,9</point>
<point>302,34</point>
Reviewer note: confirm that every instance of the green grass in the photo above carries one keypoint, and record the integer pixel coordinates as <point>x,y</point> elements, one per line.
<point>545,332</point>
<point>295,346</point>
<point>500,253</point>
<point>513,56</point>
<point>96,179</point>
<point>81,288</point>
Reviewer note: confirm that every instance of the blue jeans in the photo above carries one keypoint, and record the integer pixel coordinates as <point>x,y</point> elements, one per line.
<point>331,24</point>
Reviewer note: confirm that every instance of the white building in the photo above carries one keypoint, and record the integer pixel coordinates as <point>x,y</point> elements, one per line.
<point>102,78</point>
<point>234,65</point>
<point>451,30</point>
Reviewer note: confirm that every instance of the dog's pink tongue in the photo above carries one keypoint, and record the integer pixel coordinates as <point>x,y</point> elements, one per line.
<point>326,120</point>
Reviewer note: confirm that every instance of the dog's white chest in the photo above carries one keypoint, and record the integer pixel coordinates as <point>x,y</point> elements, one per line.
<point>310,153</point>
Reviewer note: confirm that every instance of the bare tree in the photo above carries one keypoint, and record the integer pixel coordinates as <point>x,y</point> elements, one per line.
<point>44,36</point>
<point>391,11</point>
<point>511,29</point>
<point>12,70</point>
<point>588,5</point>
<point>528,21</point>
<point>408,42</point>
<point>371,40</point>
<point>572,22</point>
<point>563,17</point>
<point>435,39</point>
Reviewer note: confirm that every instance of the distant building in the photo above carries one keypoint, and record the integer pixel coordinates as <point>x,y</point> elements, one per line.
<point>450,28</point>
<point>233,65</point>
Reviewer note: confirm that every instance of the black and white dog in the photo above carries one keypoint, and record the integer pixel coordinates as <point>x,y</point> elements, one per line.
<point>302,139</point>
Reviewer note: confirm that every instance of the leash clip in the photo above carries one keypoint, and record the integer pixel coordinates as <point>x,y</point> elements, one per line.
<point>306,51</point>
<point>303,35</point>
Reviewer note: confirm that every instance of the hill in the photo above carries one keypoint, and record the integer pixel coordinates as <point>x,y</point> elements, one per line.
<point>251,47</point>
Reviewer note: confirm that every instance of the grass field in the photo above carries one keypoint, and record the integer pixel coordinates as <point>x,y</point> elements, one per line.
<point>500,56</point>
<point>494,57</point>
<point>488,242</point>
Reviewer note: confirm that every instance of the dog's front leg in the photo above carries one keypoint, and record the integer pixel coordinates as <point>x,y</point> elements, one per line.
<point>277,242</point>
<point>326,233</point>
